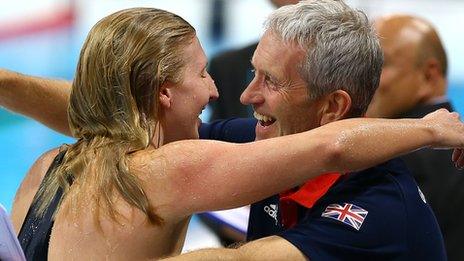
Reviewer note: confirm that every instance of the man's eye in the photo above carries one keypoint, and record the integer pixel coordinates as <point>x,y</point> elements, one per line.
<point>271,83</point>
<point>268,80</point>
<point>204,74</point>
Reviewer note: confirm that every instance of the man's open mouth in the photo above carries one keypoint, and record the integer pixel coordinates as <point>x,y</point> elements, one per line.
<point>263,119</point>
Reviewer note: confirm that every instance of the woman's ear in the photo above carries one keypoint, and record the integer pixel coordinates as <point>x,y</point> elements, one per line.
<point>165,95</point>
<point>336,107</point>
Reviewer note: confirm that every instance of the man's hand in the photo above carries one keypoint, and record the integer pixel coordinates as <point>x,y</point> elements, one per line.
<point>450,133</point>
<point>447,127</point>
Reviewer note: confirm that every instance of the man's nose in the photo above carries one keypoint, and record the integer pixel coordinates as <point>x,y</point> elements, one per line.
<point>252,94</point>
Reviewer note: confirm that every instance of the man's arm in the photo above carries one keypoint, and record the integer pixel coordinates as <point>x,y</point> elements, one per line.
<point>268,248</point>
<point>41,99</point>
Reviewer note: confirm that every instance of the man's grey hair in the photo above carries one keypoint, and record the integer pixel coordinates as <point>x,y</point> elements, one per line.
<point>342,48</point>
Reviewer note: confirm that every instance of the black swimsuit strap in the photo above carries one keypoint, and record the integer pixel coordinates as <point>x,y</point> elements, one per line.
<point>34,235</point>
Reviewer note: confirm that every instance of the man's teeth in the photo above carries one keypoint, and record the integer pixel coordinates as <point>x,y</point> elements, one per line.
<point>262,118</point>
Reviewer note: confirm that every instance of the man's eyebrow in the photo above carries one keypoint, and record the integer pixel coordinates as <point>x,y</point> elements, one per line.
<point>271,76</point>
<point>254,69</point>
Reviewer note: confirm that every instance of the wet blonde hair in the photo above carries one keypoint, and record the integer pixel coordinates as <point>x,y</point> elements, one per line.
<point>113,107</point>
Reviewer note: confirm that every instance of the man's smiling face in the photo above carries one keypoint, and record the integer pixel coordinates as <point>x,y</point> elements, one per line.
<point>278,94</point>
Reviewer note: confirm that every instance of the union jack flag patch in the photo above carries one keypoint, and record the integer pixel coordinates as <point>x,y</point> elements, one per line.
<point>347,213</point>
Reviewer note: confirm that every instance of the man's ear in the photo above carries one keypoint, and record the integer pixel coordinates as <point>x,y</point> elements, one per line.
<point>432,70</point>
<point>336,106</point>
<point>165,95</point>
<point>432,76</point>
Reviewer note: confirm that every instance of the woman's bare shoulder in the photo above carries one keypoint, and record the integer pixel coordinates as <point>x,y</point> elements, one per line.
<point>157,170</point>
<point>36,173</point>
<point>29,186</point>
<point>149,162</point>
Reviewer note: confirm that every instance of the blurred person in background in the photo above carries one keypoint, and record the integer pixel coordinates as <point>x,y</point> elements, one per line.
<point>126,189</point>
<point>232,72</point>
<point>414,83</point>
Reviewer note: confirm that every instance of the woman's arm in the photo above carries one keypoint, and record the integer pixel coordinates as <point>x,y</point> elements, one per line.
<point>210,175</point>
<point>44,100</point>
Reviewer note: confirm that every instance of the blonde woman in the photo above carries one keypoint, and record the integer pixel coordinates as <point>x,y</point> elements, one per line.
<point>127,188</point>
